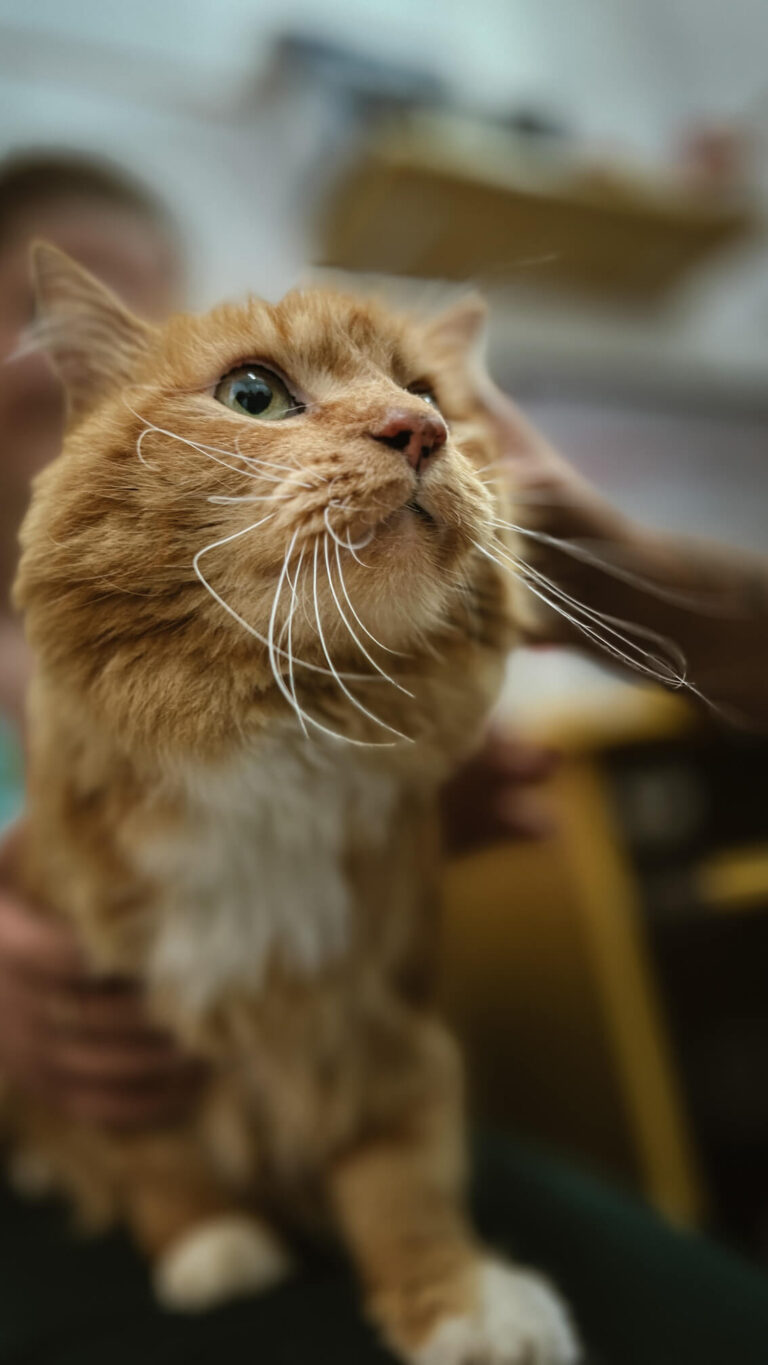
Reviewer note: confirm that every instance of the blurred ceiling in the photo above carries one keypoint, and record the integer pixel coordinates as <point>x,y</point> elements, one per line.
<point>622,70</point>
<point>191,97</point>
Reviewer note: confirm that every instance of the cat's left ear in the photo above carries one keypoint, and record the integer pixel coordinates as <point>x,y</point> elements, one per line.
<point>93,341</point>
<point>460,330</point>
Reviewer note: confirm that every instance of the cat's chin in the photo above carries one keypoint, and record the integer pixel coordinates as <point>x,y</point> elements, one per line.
<point>424,532</point>
<point>412,522</point>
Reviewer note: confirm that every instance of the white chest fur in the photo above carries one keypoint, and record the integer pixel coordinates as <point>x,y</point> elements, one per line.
<point>257,869</point>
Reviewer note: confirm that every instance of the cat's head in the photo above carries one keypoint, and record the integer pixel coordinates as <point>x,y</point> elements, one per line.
<point>265,501</point>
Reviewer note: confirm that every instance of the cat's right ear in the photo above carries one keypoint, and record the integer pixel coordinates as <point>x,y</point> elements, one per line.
<point>93,341</point>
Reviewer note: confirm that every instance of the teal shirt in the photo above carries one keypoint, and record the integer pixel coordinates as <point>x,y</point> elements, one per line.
<point>11,775</point>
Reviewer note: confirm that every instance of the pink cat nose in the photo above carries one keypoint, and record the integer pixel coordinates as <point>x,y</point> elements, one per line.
<point>419,436</point>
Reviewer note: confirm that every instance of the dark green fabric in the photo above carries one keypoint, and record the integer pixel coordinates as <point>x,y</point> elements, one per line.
<point>643,1294</point>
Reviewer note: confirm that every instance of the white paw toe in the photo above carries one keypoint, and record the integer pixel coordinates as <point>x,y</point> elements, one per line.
<point>519,1320</point>
<point>223,1259</point>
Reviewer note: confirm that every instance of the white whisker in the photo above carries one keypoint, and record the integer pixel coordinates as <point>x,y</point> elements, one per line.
<point>691,601</point>
<point>356,639</point>
<point>253,459</point>
<point>226,540</point>
<point>288,692</point>
<point>606,621</point>
<point>151,467</point>
<point>361,624</point>
<point>362,709</point>
<point>303,716</point>
<point>505,463</point>
<point>224,500</point>
<point>212,452</point>
<point>348,544</point>
<point>550,594</point>
<point>291,614</point>
<point>602,619</point>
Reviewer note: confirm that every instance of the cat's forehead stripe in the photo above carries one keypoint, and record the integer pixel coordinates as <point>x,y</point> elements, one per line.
<point>305,335</point>
<point>324,333</point>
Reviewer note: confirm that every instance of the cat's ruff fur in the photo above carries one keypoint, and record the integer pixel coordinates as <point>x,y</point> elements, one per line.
<point>219,802</point>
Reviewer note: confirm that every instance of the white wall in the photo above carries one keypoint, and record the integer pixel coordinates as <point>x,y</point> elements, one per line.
<point>168,87</point>
<point>623,70</point>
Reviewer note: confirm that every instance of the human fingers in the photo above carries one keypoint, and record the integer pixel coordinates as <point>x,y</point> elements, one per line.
<point>101,1018</point>
<point>120,1084</point>
<point>59,1029</point>
<point>527,449</point>
<point>510,760</point>
<point>128,1107</point>
<point>35,944</point>
<point>94,1010</point>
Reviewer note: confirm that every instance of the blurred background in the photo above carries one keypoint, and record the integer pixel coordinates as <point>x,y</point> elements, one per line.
<point>599,168</point>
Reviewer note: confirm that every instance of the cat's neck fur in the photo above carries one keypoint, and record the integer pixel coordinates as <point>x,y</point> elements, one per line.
<point>258,872</point>
<point>202,873</point>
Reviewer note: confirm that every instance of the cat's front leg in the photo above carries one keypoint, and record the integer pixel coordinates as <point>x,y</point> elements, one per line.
<point>435,1294</point>
<point>205,1247</point>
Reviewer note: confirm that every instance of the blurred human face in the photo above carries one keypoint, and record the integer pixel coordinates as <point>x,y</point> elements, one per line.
<point>125,250</point>
<point>119,246</point>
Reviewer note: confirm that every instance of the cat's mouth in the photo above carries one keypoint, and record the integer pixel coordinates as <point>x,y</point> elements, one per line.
<point>408,514</point>
<point>416,507</point>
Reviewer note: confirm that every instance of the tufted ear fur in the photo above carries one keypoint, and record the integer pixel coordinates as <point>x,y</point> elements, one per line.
<point>93,341</point>
<point>461,328</point>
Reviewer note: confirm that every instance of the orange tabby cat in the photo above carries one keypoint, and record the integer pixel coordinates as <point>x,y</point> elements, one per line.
<point>265,627</point>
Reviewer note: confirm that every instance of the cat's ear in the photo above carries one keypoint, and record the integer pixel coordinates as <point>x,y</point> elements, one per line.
<point>461,328</point>
<point>93,341</point>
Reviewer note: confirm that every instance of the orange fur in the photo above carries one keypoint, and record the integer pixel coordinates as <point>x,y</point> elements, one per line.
<point>274,889</point>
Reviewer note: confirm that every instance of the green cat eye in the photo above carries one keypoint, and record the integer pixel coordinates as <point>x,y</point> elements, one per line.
<point>424,391</point>
<point>256,392</point>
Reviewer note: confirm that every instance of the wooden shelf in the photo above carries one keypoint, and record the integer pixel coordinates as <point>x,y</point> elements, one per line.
<point>426,198</point>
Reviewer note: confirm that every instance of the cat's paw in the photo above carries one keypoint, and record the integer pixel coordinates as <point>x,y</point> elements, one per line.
<point>223,1259</point>
<point>518,1320</point>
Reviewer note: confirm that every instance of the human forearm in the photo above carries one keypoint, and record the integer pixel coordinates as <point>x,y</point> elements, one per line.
<point>707,600</point>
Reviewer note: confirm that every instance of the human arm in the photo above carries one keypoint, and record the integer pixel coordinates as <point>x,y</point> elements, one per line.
<point>84,1045</point>
<point>710,601</point>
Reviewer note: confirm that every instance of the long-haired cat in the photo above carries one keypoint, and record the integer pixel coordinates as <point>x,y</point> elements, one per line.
<point>266,625</point>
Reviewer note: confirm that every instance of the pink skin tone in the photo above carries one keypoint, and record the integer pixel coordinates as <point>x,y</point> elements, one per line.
<point>85,1045</point>
<point>131,256</point>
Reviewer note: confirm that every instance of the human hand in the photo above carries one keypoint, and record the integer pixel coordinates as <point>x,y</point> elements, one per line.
<point>494,798</point>
<point>550,494</point>
<point>568,532</point>
<point>592,557</point>
<point>83,1045</point>
<point>700,608</point>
